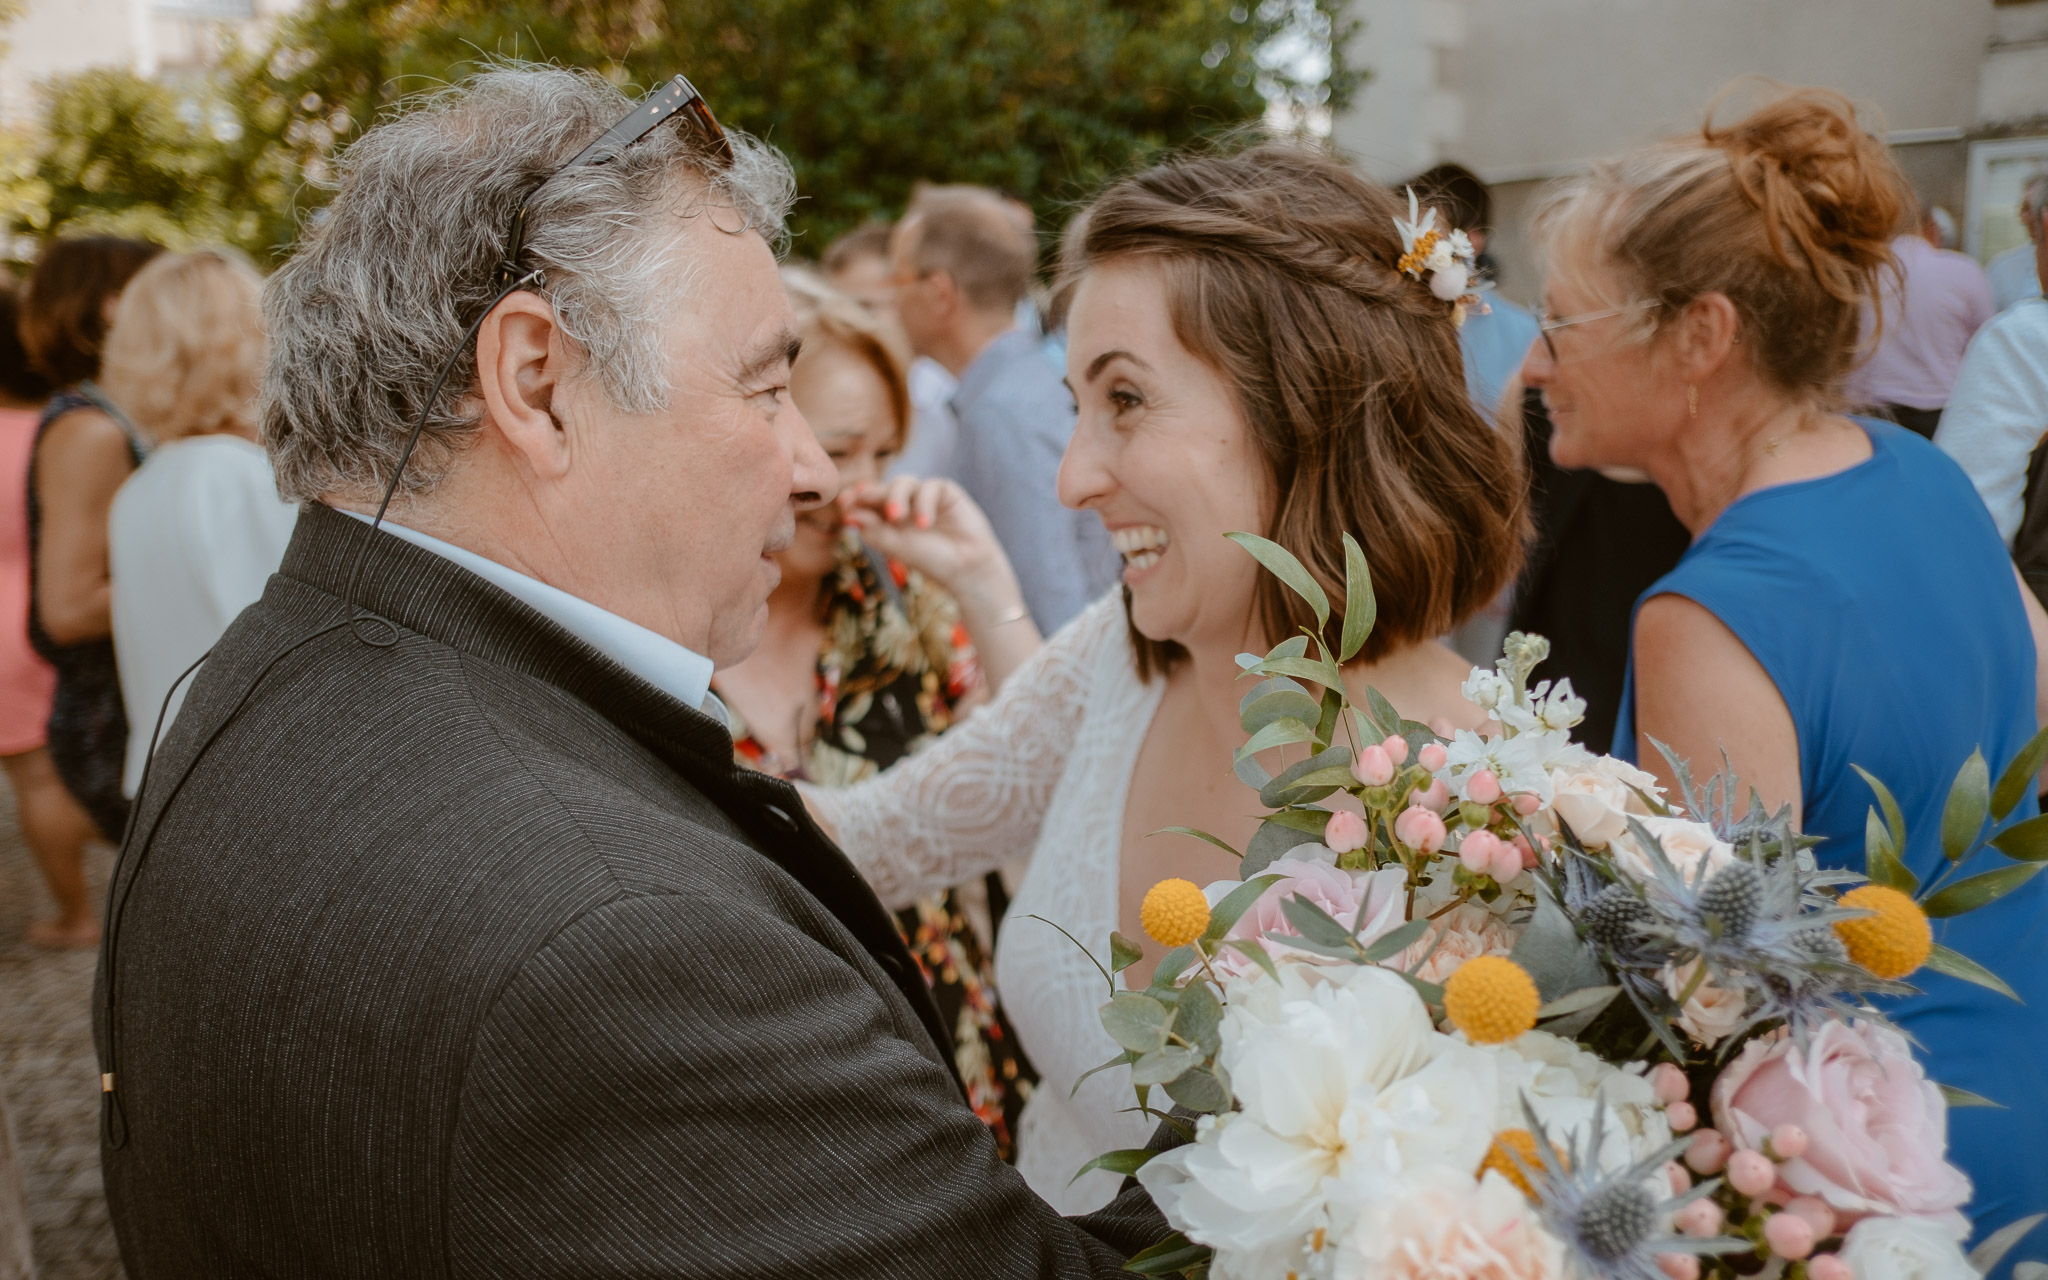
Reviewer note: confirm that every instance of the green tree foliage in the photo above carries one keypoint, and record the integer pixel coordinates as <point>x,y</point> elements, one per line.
<point>1041,98</point>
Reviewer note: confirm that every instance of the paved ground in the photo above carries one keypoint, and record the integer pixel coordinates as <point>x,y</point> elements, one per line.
<point>48,1074</point>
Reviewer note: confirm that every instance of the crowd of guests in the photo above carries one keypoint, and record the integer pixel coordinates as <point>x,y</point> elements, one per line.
<point>1712,444</point>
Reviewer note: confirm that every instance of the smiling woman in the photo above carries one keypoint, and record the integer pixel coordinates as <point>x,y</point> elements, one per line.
<point>1245,355</point>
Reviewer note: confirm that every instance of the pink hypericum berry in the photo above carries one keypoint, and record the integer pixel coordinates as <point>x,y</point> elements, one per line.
<point>1483,787</point>
<point>1527,850</point>
<point>1679,1266</point>
<point>1432,756</point>
<point>1669,1083</point>
<point>1345,832</point>
<point>1436,797</point>
<point>1477,853</point>
<point>1681,1115</point>
<point>1789,1235</point>
<point>1374,767</point>
<point>1818,1214</point>
<point>1826,1266</point>
<point>1507,862</point>
<point>1700,1219</point>
<point>1681,1177</point>
<point>1396,748</point>
<point>1787,1142</point>
<point>1708,1152</point>
<point>1751,1172</point>
<point>1420,828</point>
<point>1527,803</point>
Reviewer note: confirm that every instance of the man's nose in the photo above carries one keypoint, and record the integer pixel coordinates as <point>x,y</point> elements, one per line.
<point>813,480</point>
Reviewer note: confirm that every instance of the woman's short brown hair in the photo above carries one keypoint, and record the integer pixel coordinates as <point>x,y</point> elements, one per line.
<point>1279,265</point>
<point>1789,212</point>
<point>823,314</point>
<point>185,353</point>
<point>64,308</point>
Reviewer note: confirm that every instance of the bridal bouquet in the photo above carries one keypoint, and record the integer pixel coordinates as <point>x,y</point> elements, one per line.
<point>1509,1011</point>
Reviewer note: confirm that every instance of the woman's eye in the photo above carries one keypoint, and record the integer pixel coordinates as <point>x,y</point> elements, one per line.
<point>1122,400</point>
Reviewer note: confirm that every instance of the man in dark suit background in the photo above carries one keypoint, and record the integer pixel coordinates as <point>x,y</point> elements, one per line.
<point>450,942</point>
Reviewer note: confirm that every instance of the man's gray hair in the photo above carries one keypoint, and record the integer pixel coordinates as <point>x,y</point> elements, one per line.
<point>395,270</point>
<point>2034,196</point>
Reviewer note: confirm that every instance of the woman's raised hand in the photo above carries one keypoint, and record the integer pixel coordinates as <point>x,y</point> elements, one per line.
<point>932,526</point>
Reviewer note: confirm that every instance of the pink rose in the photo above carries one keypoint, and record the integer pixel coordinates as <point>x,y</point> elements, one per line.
<point>1340,893</point>
<point>1876,1127</point>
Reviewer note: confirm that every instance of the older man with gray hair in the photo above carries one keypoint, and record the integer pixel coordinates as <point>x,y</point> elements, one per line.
<point>448,940</point>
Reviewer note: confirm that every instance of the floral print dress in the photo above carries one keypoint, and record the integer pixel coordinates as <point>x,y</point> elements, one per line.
<point>895,664</point>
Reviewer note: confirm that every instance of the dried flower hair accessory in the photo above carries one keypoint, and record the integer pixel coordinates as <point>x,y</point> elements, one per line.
<point>1444,259</point>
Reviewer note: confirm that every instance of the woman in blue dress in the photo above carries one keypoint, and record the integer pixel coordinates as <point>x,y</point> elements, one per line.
<point>1846,599</point>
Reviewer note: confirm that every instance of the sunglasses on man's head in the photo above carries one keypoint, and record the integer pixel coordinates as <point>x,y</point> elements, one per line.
<point>677,97</point>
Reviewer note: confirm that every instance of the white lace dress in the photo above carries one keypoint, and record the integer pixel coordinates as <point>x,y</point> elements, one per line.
<point>1043,769</point>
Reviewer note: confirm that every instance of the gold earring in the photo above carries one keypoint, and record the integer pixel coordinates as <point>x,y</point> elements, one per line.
<point>1692,401</point>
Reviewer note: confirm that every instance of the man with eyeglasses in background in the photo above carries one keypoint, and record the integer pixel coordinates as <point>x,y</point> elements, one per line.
<point>448,940</point>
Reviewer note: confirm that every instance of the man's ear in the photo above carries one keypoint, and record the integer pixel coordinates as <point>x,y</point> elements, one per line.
<point>946,293</point>
<point>520,360</point>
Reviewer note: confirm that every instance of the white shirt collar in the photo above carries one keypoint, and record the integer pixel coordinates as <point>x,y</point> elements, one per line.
<point>681,673</point>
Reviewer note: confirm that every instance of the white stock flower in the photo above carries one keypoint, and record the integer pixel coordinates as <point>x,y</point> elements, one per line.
<point>1594,797</point>
<point>1522,762</point>
<point>1904,1249</point>
<point>1486,689</point>
<point>1563,709</point>
<point>1565,1085</point>
<point>1686,845</point>
<point>1346,1090</point>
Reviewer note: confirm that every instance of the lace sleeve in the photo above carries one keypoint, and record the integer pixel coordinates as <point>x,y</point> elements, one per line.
<point>974,799</point>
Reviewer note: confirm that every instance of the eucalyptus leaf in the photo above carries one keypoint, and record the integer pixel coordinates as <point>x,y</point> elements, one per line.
<point>1163,1065</point>
<point>1968,895</point>
<point>2024,841</point>
<point>1199,1017</point>
<point>1326,724</point>
<point>1314,923</point>
<point>2017,782</point>
<point>1199,1090</point>
<point>1278,733</point>
<point>1313,821</point>
<point>1278,704</point>
<point>1969,800</point>
<point>1280,562</point>
<point>1964,1098</point>
<point>1431,993</point>
<point>1171,965</point>
<point>1552,952</point>
<point>1336,777</point>
<point>1291,647</point>
<point>1881,860</point>
<point>1123,953</point>
<point>1992,1249</point>
<point>1577,1001</point>
<point>1278,793</point>
<point>1198,834</point>
<point>1251,773</point>
<point>1125,1162</point>
<point>1397,941</point>
<point>1257,951</point>
<point>1119,1060</point>
<point>1894,821</point>
<point>1360,608</point>
<point>1957,965</point>
<point>1137,1022</point>
<point>1315,670</point>
<point>1270,843</point>
<point>1235,903</point>
<point>1383,711</point>
<point>1170,1256</point>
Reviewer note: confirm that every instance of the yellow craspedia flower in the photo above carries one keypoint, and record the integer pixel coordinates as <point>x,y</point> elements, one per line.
<point>1491,999</point>
<point>1522,1143</point>
<point>1174,913</point>
<point>1893,941</point>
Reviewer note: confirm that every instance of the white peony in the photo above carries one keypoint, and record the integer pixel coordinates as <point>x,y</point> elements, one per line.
<point>1904,1249</point>
<point>1447,1224</point>
<point>1347,1091</point>
<point>1595,796</point>
<point>1565,1085</point>
<point>1690,847</point>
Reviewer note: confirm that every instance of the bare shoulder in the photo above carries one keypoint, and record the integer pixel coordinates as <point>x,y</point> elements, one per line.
<point>84,437</point>
<point>1679,639</point>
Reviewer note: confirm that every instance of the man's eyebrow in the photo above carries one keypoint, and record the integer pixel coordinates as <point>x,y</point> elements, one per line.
<point>779,348</point>
<point>1096,366</point>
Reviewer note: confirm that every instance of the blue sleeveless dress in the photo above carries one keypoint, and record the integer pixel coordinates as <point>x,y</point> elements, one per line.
<point>1882,603</point>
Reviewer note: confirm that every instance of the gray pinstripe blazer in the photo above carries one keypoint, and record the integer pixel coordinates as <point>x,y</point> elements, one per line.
<point>470,954</point>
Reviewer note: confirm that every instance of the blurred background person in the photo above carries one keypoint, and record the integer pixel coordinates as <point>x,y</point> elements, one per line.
<point>1494,339</point>
<point>960,267</point>
<point>864,662</point>
<point>857,265</point>
<point>2015,274</point>
<point>1932,307</point>
<point>85,448</point>
<point>53,825</point>
<point>1998,414</point>
<point>198,529</point>
<point>1845,599</point>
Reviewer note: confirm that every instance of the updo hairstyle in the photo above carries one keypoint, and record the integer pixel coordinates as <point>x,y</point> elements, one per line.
<point>1279,270</point>
<point>1789,212</point>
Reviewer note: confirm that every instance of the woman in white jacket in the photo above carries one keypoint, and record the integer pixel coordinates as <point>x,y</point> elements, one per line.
<point>198,529</point>
<point>1248,351</point>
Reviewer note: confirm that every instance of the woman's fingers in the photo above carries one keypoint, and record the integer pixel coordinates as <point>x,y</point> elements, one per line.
<point>924,503</point>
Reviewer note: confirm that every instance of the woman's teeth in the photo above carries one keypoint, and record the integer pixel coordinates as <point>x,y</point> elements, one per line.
<point>1140,545</point>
